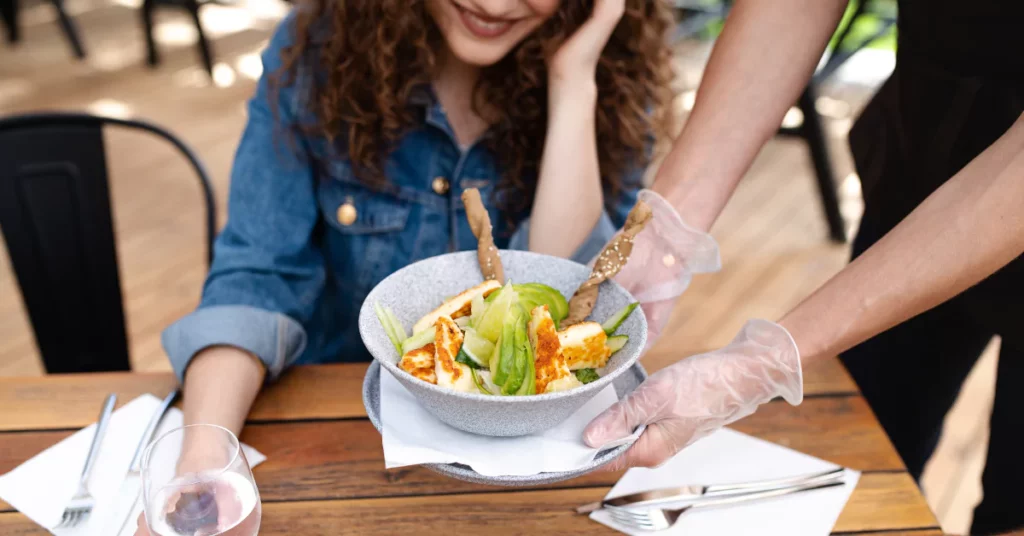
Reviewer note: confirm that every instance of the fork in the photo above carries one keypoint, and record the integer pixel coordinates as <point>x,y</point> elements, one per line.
<point>82,503</point>
<point>654,519</point>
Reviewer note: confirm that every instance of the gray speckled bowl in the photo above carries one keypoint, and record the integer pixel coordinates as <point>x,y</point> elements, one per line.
<point>624,385</point>
<point>420,287</point>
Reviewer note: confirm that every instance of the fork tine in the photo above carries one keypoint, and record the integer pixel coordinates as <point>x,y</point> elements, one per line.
<point>633,521</point>
<point>629,512</point>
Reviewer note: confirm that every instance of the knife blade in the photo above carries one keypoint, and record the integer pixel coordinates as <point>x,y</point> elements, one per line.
<point>694,492</point>
<point>128,493</point>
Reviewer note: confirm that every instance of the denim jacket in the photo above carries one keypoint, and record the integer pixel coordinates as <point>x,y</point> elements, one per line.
<point>305,241</point>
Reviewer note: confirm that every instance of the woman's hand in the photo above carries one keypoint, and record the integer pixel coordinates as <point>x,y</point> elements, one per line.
<point>698,395</point>
<point>555,228</point>
<point>141,529</point>
<point>207,508</point>
<point>575,62</point>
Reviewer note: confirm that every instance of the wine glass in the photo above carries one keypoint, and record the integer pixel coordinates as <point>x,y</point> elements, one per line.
<point>197,482</point>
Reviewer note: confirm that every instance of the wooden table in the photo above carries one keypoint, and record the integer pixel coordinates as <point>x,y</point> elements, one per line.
<point>325,469</point>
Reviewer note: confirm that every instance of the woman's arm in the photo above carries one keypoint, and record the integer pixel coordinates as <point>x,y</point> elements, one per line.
<point>759,66</point>
<point>210,398</point>
<point>266,274</point>
<point>569,200</point>
<point>965,231</point>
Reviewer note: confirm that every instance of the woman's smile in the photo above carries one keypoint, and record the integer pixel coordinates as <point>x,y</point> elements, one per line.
<point>482,25</point>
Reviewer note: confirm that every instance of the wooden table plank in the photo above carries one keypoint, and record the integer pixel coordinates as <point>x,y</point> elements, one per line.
<point>344,460</point>
<point>322,392</point>
<point>527,512</point>
<point>65,401</point>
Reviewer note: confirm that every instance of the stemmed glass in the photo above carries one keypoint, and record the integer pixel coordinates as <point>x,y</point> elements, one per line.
<point>197,482</point>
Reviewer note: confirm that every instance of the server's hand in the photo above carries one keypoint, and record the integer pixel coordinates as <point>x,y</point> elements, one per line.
<point>665,256</point>
<point>698,395</point>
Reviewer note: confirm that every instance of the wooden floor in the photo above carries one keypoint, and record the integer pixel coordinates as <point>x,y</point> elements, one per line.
<point>773,236</point>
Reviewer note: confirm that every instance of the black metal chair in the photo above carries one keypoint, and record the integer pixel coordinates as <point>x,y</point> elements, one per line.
<point>192,7</point>
<point>56,218</point>
<point>9,16</point>
<point>699,16</point>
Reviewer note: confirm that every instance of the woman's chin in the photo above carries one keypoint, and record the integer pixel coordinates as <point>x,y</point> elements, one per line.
<point>477,54</point>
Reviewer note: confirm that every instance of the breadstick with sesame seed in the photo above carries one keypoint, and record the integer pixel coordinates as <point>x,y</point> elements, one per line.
<point>608,263</point>
<point>480,223</point>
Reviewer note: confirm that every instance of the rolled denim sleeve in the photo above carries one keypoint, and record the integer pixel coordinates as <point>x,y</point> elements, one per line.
<point>267,274</point>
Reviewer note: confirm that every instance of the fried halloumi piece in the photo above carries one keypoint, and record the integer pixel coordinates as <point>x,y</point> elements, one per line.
<point>447,343</point>
<point>569,381</point>
<point>460,305</point>
<point>420,363</point>
<point>583,346</point>
<point>548,361</point>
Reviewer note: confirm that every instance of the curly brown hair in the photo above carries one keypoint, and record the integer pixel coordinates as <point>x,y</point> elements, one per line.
<point>374,54</point>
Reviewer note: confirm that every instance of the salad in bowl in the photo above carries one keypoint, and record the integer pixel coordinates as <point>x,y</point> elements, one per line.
<point>505,340</point>
<point>506,356</point>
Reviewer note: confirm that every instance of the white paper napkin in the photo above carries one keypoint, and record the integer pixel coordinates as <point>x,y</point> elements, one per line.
<point>728,457</point>
<point>41,487</point>
<point>413,436</point>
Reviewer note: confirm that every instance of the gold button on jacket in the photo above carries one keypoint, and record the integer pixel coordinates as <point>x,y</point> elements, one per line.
<point>347,214</point>
<point>440,185</point>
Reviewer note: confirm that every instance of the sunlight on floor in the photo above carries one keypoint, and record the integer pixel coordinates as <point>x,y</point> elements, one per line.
<point>110,108</point>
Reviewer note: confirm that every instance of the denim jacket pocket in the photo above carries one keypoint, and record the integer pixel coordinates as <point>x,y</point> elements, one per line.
<point>369,233</point>
<point>353,208</point>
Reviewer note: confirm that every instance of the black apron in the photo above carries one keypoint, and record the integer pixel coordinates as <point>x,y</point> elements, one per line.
<point>957,87</point>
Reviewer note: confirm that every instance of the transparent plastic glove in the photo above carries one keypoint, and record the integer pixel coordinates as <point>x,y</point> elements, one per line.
<point>698,395</point>
<point>666,255</point>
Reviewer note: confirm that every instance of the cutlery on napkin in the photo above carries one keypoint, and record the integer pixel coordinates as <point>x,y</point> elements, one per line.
<point>729,456</point>
<point>40,487</point>
<point>412,435</point>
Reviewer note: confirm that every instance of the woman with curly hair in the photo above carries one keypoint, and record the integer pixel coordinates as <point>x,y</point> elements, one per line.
<point>371,118</point>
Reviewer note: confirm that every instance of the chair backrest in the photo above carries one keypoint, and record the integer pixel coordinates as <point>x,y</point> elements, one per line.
<point>56,219</point>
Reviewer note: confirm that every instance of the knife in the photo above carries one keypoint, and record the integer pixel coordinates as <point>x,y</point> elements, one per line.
<point>697,491</point>
<point>128,494</point>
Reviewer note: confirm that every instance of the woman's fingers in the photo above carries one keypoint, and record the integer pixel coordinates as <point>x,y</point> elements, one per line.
<point>583,48</point>
<point>141,529</point>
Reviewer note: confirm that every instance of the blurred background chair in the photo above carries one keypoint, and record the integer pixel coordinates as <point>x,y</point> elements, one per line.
<point>702,18</point>
<point>56,219</point>
<point>192,8</point>
<point>9,16</point>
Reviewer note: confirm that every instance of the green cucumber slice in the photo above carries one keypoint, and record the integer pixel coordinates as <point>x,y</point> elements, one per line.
<point>392,327</point>
<point>616,319</point>
<point>477,348</point>
<point>417,341</point>
<point>616,342</point>
<point>466,359</point>
<point>481,385</point>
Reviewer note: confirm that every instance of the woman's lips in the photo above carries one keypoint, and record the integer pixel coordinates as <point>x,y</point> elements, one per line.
<point>481,26</point>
